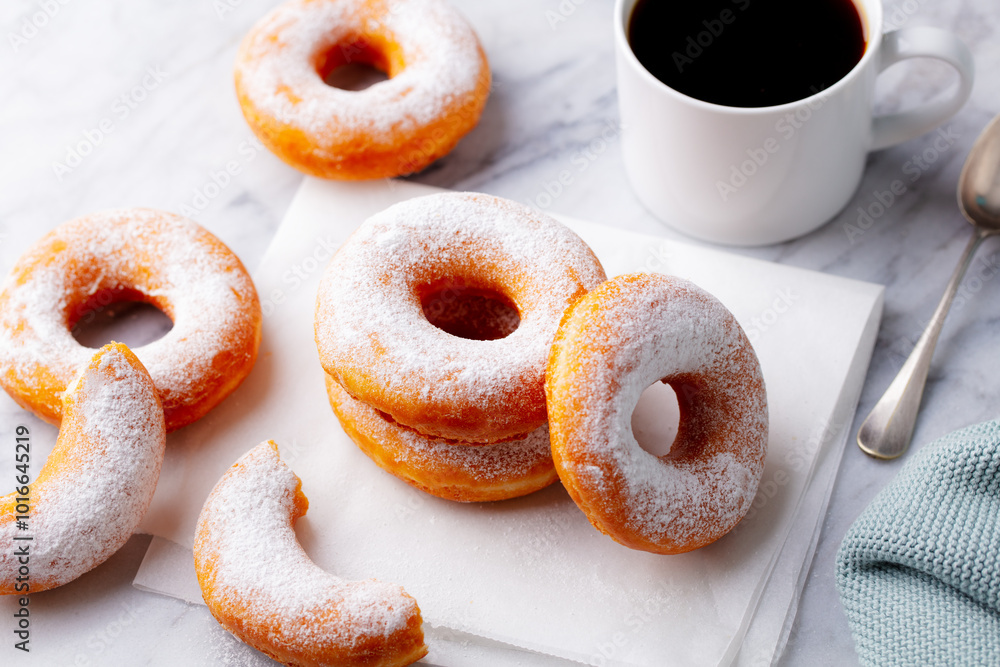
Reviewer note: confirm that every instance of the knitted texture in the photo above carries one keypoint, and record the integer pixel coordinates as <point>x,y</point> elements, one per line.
<point>919,571</point>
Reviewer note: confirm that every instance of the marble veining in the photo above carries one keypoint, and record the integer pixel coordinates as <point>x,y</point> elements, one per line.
<point>127,103</point>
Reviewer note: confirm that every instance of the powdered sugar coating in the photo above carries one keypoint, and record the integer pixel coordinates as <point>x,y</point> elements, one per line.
<point>142,254</point>
<point>436,67</point>
<point>374,339</point>
<point>615,342</point>
<point>97,482</point>
<point>455,471</point>
<point>261,586</point>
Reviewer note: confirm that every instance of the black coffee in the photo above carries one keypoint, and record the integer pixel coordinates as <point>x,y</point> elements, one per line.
<point>747,53</point>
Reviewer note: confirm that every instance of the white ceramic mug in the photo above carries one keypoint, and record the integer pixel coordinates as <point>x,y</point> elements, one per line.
<point>753,176</point>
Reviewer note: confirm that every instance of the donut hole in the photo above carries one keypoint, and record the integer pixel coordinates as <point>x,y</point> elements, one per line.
<point>121,316</point>
<point>470,312</point>
<point>355,64</point>
<point>655,419</point>
<point>355,76</point>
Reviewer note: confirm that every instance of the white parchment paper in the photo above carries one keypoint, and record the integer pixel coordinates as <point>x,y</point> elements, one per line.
<point>532,573</point>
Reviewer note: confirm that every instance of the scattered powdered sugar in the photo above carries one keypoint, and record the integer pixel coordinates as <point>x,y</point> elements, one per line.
<point>261,585</point>
<point>276,68</point>
<point>151,255</point>
<point>100,477</point>
<point>651,327</point>
<point>371,330</point>
<point>519,466</point>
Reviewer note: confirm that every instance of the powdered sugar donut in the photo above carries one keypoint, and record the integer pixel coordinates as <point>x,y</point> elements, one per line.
<point>438,84</point>
<point>374,337</point>
<point>97,482</point>
<point>120,255</point>
<point>612,344</point>
<point>262,587</point>
<point>441,467</point>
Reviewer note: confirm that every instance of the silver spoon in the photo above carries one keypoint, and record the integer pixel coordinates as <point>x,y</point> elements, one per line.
<point>887,430</point>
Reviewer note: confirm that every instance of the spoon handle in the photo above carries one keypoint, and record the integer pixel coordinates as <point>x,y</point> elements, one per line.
<point>886,432</point>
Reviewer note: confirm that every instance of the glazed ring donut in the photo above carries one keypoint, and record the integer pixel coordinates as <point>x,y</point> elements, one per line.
<point>438,84</point>
<point>262,587</point>
<point>441,467</point>
<point>137,255</point>
<point>97,482</point>
<point>374,337</point>
<point>612,344</point>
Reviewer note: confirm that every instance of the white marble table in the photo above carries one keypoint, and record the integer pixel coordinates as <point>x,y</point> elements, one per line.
<point>130,103</point>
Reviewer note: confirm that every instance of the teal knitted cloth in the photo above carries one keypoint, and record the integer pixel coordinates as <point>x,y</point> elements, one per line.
<point>919,571</point>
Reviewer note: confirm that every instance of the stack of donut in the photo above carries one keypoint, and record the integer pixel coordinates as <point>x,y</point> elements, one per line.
<point>434,323</point>
<point>474,349</point>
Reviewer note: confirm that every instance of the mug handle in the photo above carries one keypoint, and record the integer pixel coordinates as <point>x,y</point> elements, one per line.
<point>922,42</point>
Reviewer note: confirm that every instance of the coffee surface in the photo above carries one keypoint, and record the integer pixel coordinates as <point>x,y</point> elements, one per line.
<point>747,53</point>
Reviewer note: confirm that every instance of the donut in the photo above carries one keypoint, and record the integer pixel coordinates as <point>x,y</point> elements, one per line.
<point>438,84</point>
<point>130,255</point>
<point>442,468</point>
<point>263,588</point>
<point>97,482</point>
<point>612,344</point>
<point>375,339</point>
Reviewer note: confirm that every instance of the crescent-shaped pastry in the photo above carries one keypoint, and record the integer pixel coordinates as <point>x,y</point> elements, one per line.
<point>261,585</point>
<point>97,483</point>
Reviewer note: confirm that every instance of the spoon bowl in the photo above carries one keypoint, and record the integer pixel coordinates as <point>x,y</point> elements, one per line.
<point>979,183</point>
<point>888,429</point>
